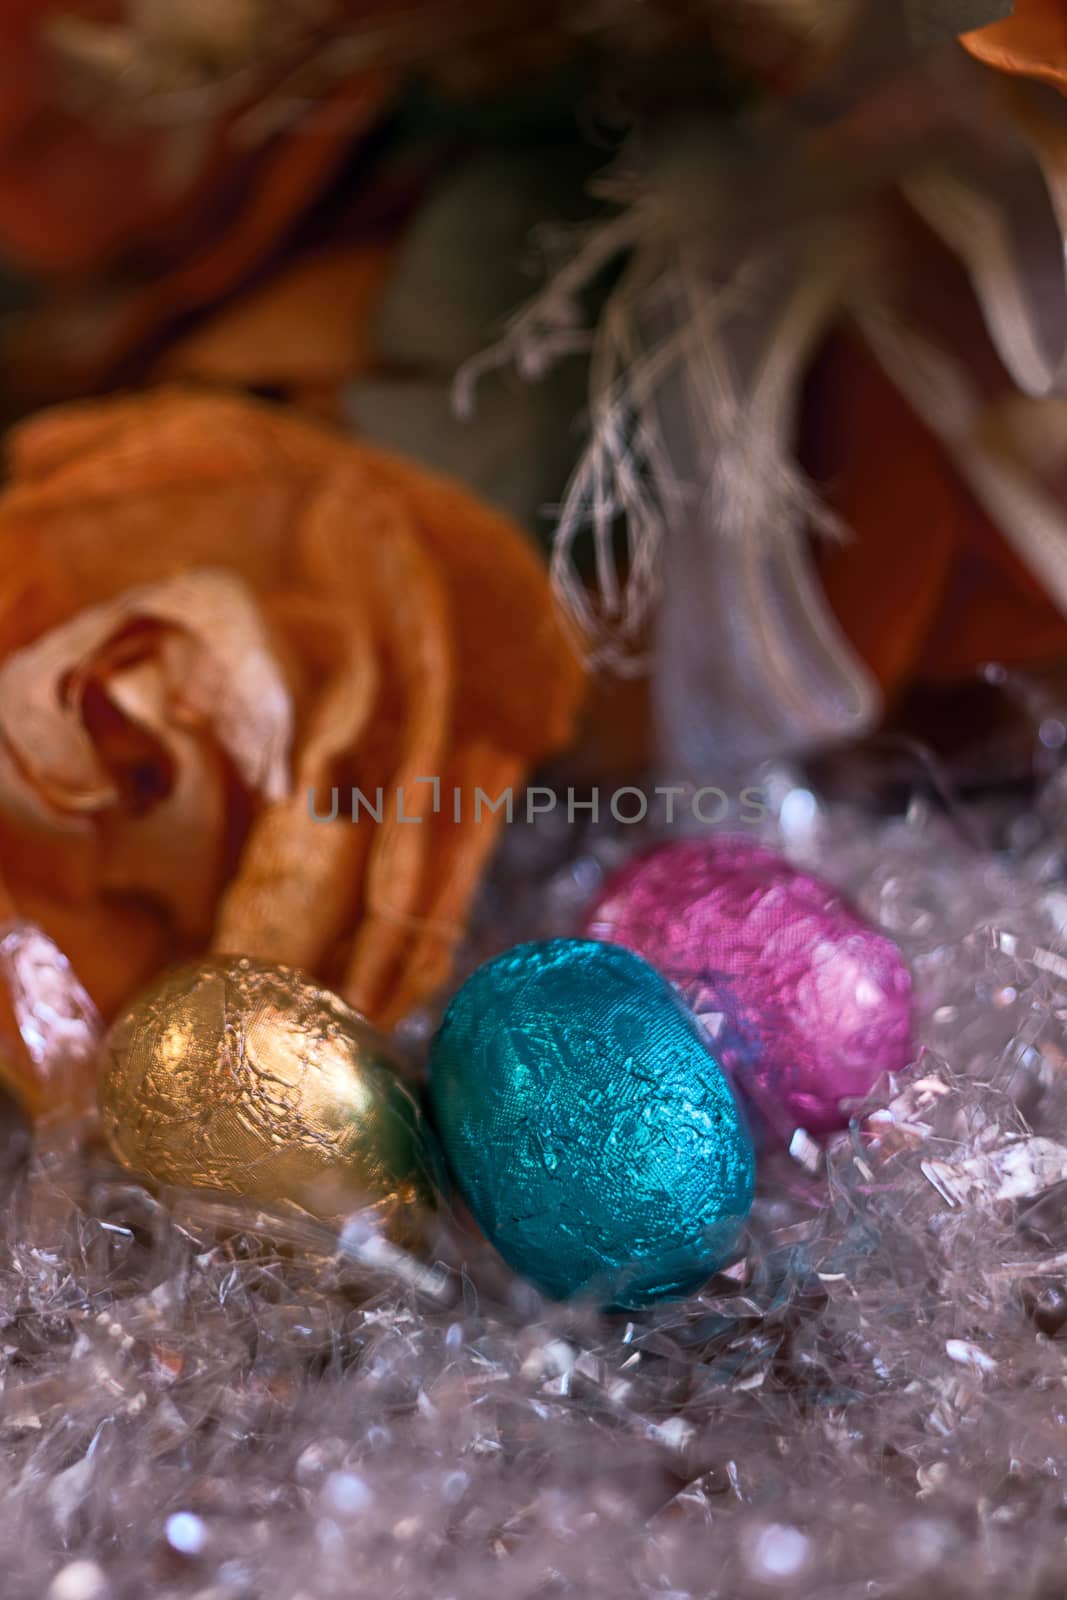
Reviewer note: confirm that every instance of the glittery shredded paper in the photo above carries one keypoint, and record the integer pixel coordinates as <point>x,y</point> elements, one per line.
<point>199,1400</point>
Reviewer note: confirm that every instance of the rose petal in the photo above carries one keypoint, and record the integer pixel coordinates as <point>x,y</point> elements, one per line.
<point>174,852</point>
<point>54,850</point>
<point>298,882</point>
<point>459,853</point>
<point>309,324</point>
<point>409,612</point>
<point>1032,42</point>
<point>229,682</point>
<point>494,576</point>
<point>60,436</point>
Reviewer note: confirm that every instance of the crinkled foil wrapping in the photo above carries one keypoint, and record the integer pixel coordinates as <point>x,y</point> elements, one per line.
<point>199,1400</point>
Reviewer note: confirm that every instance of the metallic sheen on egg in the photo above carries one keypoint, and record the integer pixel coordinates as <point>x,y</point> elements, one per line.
<point>587,1125</point>
<point>238,1076</point>
<point>809,1004</point>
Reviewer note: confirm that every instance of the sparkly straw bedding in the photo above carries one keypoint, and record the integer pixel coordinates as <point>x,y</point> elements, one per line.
<point>203,1401</point>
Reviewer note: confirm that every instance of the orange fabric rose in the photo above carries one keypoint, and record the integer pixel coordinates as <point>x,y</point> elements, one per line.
<point>210,609</point>
<point>83,178</point>
<point>1032,42</point>
<point>301,335</point>
<point>923,599</point>
<point>141,203</point>
<point>154,157</point>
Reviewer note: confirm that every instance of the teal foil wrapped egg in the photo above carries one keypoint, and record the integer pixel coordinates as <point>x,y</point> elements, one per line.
<point>591,1132</point>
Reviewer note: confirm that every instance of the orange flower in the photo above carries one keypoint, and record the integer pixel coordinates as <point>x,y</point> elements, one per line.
<point>141,201</point>
<point>302,334</point>
<point>83,177</point>
<point>923,599</point>
<point>1032,42</point>
<point>155,156</point>
<point>210,610</point>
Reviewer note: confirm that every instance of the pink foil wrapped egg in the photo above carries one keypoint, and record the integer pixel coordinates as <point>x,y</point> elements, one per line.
<point>807,1003</point>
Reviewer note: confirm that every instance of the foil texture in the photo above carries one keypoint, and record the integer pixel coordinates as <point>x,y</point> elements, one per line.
<point>234,1075</point>
<point>591,1131</point>
<point>807,1002</point>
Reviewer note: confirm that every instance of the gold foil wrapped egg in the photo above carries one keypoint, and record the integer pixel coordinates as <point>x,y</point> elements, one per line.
<point>240,1076</point>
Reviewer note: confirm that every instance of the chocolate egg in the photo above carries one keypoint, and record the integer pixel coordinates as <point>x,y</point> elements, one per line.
<point>587,1125</point>
<point>239,1076</point>
<point>809,1003</point>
